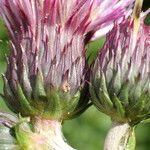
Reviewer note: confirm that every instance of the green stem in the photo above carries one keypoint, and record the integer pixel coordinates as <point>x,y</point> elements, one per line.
<point>45,135</point>
<point>120,137</point>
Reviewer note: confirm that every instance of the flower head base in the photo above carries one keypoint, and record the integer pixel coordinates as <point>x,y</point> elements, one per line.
<point>121,75</point>
<point>47,65</point>
<point>39,134</point>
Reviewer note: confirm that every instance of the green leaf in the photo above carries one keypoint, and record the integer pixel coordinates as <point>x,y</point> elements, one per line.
<point>119,106</point>
<point>9,97</point>
<point>39,90</point>
<point>25,105</point>
<point>103,82</point>
<point>106,101</point>
<point>96,100</point>
<point>53,107</point>
<point>123,94</point>
<point>131,141</point>
<point>137,108</point>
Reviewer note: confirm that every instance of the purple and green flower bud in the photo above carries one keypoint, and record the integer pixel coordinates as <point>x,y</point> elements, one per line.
<point>120,80</point>
<point>46,67</point>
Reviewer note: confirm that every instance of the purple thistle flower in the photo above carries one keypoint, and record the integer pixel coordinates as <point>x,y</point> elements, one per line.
<point>121,74</point>
<point>47,65</point>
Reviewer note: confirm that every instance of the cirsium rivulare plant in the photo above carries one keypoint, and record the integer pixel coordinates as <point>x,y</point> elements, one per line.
<point>46,68</point>
<point>120,84</point>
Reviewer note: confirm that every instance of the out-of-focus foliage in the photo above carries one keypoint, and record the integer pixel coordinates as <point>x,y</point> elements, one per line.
<point>147,19</point>
<point>89,130</point>
<point>146,5</point>
<point>3,52</point>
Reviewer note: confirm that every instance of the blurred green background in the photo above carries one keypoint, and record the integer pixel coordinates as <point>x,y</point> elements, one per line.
<point>88,131</point>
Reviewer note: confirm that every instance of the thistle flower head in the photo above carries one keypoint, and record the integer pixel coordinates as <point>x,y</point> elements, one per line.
<point>121,75</point>
<point>46,67</point>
